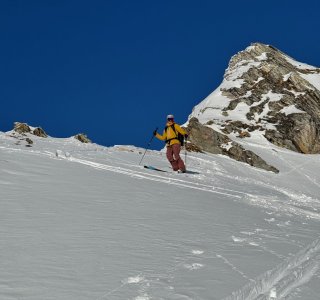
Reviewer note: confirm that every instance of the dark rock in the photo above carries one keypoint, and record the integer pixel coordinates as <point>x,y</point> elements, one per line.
<point>21,128</point>
<point>40,132</point>
<point>238,153</point>
<point>208,140</point>
<point>237,126</point>
<point>244,134</point>
<point>227,129</point>
<point>29,141</point>
<point>191,147</point>
<point>82,138</point>
<point>210,122</point>
<point>296,132</point>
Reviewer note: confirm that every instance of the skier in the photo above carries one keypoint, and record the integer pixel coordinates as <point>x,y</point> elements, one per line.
<point>171,136</point>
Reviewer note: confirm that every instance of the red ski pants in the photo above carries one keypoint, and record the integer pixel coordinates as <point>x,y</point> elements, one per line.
<point>173,155</point>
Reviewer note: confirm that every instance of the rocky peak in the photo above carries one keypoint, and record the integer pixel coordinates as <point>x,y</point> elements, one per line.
<point>266,92</point>
<point>262,71</point>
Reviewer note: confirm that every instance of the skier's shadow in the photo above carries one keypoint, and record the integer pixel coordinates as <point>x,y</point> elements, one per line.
<point>192,172</point>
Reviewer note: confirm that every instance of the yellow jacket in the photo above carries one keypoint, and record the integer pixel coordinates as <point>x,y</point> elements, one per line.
<point>169,134</point>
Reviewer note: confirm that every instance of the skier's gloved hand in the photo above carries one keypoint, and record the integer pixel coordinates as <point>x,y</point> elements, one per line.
<point>186,136</point>
<point>155,132</point>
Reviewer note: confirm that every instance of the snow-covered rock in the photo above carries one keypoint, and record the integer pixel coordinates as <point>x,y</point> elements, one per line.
<point>21,127</point>
<point>24,128</point>
<point>269,94</point>
<point>215,142</point>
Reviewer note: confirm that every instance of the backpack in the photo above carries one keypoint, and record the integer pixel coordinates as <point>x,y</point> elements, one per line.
<point>178,137</point>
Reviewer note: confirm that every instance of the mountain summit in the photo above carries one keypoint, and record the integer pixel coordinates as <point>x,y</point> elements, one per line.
<point>264,93</point>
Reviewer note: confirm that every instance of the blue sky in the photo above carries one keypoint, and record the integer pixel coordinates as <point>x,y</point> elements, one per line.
<point>114,69</point>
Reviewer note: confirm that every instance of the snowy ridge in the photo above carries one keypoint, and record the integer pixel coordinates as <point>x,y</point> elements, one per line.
<point>298,64</point>
<point>287,276</point>
<point>210,109</point>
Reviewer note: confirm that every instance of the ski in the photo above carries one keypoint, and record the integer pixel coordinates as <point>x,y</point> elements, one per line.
<point>154,169</point>
<point>159,170</point>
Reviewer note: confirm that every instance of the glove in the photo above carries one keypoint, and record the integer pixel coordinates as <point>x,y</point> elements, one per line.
<point>186,136</point>
<point>155,132</point>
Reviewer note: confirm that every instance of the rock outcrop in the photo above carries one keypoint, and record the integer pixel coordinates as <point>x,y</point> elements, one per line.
<point>23,128</point>
<point>206,138</point>
<point>279,91</point>
<point>82,138</point>
<point>209,140</point>
<point>21,131</point>
<point>39,132</point>
<point>264,92</point>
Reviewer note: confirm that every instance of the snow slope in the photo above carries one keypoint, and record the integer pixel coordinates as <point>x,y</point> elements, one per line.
<point>81,221</point>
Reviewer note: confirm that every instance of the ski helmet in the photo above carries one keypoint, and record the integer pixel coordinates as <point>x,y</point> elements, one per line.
<point>170,117</point>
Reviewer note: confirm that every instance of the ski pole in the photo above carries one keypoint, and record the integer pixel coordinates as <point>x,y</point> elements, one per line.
<point>185,151</point>
<point>147,148</point>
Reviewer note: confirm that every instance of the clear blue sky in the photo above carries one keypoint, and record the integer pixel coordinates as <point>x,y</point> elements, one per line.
<point>114,69</point>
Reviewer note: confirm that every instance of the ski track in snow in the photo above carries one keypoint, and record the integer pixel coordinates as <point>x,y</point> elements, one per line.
<point>284,278</point>
<point>271,203</point>
<point>233,267</point>
<point>158,178</point>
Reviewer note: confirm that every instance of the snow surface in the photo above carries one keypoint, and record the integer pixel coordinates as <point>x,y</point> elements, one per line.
<point>298,64</point>
<point>273,97</point>
<point>82,221</point>
<point>291,109</point>
<point>211,108</point>
<point>287,76</point>
<point>242,67</point>
<point>314,79</point>
<point>262,57</point>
